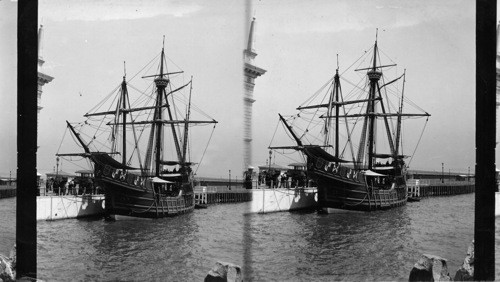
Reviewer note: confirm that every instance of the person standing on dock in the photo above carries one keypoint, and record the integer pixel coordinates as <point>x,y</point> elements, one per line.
<point>247,175</point>
<point>47,187</point>
<point>71,187</point>
<point>284,180</point>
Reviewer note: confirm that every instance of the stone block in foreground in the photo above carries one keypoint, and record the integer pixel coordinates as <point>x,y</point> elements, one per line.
<point>224,271</point>
<point>6,271</point>
<point>430,268</point>
<point>466,271</point>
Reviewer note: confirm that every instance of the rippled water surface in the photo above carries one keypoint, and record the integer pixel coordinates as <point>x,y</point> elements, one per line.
<point>7,225</point>
<point>298,246</point>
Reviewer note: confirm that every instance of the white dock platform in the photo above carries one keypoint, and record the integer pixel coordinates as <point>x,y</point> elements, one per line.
<point>69,206</point>
<point>497,204</point>
<point>282,199</point>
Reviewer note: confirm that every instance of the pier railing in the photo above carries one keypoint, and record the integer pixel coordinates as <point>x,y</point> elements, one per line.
<point>7,191</point>
<point>221,194</point>
<point>69,191</point>
<point>437,187</point>
<point>442,182</point>
<point>224,192</point>
<point>286,184</point>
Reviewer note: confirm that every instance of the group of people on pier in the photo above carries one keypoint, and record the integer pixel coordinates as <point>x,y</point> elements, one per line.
<point>274,178</point>
<point>69,186</point>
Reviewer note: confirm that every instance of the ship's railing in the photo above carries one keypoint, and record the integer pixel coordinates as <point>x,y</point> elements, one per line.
<point>69,191</point>
<point>255,184</point>
<point>283,184</point>
<point>177,205</point>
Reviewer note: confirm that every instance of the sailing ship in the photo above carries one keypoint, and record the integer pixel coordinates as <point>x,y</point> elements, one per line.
<point>370,179</point>
<point>156,187</point>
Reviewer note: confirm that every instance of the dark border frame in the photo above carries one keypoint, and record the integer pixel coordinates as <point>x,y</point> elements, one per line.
<point>484,219</point>
<point>484,228</point>
<point>27,86</point>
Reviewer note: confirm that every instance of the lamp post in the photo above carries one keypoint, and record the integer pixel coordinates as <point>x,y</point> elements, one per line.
<point>468,175</point>
<point>442,172</point>
<point>269,171</point>
<point>57,172</point>
<point>229,179</point>
<point>57,166</point>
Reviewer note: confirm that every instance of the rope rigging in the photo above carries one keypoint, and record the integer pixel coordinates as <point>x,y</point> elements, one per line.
<point>420,138</point>
<point>60,144</point>
<point>204,151</point>
<point>387,109</point>
<point>108,110</point>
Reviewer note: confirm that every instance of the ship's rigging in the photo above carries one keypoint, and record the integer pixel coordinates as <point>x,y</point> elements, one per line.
<point>162,114</point>
<point>335,121</point>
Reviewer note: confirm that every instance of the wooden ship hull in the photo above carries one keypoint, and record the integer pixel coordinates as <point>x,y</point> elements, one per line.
<point>341,193</point>
<point>136,202</point>
<point>342,187</point>
<point>128,194</point>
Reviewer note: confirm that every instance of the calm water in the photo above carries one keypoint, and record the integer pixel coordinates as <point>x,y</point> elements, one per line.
<point>300,246</point>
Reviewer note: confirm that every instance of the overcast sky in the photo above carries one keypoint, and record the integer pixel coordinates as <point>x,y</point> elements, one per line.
<point>86,42</point>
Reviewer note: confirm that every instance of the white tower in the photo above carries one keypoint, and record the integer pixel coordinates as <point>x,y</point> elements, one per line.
<point>42,78</point>
<point>251,72</point>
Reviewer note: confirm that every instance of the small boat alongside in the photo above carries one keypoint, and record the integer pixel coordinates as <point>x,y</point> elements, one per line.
<point>278,188</point>
<point>414,199</point>
<point>200,206</point>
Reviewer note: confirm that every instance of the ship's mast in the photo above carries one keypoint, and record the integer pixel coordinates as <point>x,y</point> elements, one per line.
<point>374,77</point>
<point>174,132</point>
<point>124,104</point>
<point>337,108</point>
<point>297,139</point>
<point>329,115</point>
<point>186,125</point>
<point>334,101</point>
<point>398,130</point>
<point>161,83</point>
<point>85,147</point>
